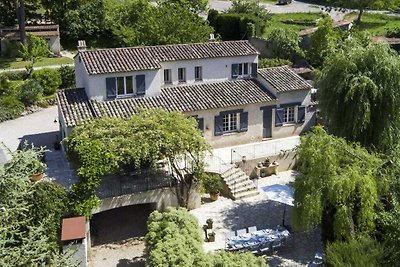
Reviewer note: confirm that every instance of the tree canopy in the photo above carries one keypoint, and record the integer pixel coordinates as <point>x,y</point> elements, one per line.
<point>284,44</point>
<point>337,188</point>
<point>105,145</point>
<point>358,94</point>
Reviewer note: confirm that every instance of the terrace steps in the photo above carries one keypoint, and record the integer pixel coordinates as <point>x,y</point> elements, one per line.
<point>239,184</point>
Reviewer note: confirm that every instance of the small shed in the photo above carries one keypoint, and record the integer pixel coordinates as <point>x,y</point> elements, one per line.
<point>74,234</point>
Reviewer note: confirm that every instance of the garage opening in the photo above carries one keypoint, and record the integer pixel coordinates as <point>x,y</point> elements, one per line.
<point>120,224</point>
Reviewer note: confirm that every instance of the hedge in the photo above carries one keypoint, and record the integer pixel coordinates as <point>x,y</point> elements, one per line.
<point>10,108</point>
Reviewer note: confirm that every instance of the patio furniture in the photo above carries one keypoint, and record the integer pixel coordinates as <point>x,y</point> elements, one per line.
<point>251,229</point>
<point>241,232</point>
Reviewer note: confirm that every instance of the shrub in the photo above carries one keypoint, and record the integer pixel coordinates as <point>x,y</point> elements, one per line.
<point>273,62</point>
<point>284,44</point>
<point>14,75</point>
<point>35,48</point>
<point>211,183</point>
<point>227,259</point>
<point>363,252</point>
<point>30,92</point>
<point>49,79</point>
<point>67,75</point>
<point>10,108</point>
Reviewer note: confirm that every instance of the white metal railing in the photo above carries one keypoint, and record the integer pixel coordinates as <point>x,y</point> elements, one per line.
<point>215,164</point>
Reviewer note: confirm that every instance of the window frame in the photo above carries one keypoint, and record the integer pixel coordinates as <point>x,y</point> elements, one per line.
<point>169,76</point>
<point>241,70</point>
<point>117,93</point>
<point>289,115</point>
<point>183,70</point>
<point>230,122</point>
<point>198,70</point>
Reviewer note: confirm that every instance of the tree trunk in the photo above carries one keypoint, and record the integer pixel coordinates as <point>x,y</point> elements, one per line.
<point>358,21</point>
<point>21,21</point>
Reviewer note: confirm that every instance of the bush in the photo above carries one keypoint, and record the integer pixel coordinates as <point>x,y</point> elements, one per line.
<point>14,75</point>
<point>49,79</point>
<point>227,259</point>
<point>234,26</point>
<point>10,108</point>
<point>30,92</point>
<point>67,75</point>
<point>284,44</point>
<point>35,48</point>
<point>273,62</point>
<point>211,183</point>
<point>363,252</point>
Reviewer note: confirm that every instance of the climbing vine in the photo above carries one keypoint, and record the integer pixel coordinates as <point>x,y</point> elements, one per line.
<point>106,145</point>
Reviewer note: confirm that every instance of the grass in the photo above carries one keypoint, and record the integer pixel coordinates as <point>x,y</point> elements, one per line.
<point>376,24</point>
<point>18,63</point>
<point>281,21</point>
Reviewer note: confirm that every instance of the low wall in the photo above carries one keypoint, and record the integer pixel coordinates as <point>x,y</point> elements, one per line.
<point>163,198</point>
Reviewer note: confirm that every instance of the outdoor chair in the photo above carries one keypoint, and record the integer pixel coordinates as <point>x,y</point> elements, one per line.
<point>241,232</point>
<point>265,250</point>
<point>251,229</point>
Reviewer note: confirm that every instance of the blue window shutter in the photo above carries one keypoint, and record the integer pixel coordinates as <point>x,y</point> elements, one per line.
<point>246,68</point>
<point>218,129</point>
<point>200,124</point>
<point>235,70</point>
<point>111,87</point>
<point>254,70</point>
<point>301,114</point>
<point>244,121</point>
<point>140,84</point>
<point>279,117</point>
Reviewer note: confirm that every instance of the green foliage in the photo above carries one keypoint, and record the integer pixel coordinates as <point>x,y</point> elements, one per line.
<point>251,7</point>
<point>142,23</point>
<point>357,252</point>
<point>67,75</point>
<point>211,182</point>
<point>323,42</point>
<point>338,187</point>
<point>358,94</point>
<point>26,240</point>
<point>29,92</point>
<point>272,62</point>
<point>284,44</point>
<point>10,108</point>
<point>174,238</point>
<point>49,80</point>
<point>35,48</point>
<point>105,145</point>
<point>227,259</point>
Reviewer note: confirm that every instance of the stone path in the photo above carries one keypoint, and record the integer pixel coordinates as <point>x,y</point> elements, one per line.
<point>258,211</point>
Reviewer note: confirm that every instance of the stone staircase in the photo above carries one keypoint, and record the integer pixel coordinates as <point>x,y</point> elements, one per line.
<point>239,184</point>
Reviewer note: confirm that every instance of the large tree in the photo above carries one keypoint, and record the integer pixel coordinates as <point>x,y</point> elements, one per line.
<point>337,188</point>
<point>106,145</point>
<point>358,94</point>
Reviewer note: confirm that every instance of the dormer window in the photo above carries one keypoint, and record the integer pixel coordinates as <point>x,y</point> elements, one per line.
<point>198,73</point>
<point>167,76</point>
<point>240,70</point>
<point>124,86</point>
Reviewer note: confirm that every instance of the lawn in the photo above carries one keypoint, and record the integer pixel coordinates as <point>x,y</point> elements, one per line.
<point>285,21</point>
<point>376,24</point>
<point>17,63</point>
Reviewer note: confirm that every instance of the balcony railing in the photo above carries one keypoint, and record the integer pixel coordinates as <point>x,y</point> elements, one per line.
<point>135,182</point>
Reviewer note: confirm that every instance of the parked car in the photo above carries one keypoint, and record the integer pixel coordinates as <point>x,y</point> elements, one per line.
<point>284,2</point>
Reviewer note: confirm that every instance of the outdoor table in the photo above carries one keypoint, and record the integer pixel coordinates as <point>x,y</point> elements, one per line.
<point>260,238</point>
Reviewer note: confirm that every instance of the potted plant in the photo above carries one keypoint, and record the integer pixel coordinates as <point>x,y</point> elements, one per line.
<point>209,223</point>
<point>211,237</point>
<point>212,184</point>
<point>37,169</point>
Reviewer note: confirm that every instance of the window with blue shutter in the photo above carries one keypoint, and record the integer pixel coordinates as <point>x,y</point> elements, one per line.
<point>301,114</point>
<point>200,124</point>
<point>140,84</point>
<point>244,121</point>
<point>279,117</point>
<point>235,70</point>
<point>218,128</point>
<point>111,89</point>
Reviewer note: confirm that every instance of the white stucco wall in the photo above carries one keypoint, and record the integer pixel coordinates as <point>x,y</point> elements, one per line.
<point>214,69</point>
<point>54,44</point>
<point>81,75</point>
<point>253,134</point>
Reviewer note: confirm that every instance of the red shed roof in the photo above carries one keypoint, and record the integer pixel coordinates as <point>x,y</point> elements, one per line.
<point>73,228</point>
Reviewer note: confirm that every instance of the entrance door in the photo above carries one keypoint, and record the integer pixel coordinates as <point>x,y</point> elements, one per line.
<point>267,122</point>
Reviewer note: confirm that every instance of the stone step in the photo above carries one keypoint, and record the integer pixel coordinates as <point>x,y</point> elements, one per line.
<point>246,194</point>
<point>239,183</point>
<point>248,187</point>
<point>237,177</point>
<point>230,171</point>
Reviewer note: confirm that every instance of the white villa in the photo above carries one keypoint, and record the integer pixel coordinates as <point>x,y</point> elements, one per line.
<point>219,83</point>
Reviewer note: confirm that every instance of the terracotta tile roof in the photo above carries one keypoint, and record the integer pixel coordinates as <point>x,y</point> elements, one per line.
<point>75,106</point>
<point>149,57</point>
<point>284,79</point>
<point>73,228</point>
<point>185,98</point>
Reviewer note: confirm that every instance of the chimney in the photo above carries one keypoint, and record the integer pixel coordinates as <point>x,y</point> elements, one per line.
<point>81,46</point>
<point>212,38</point>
